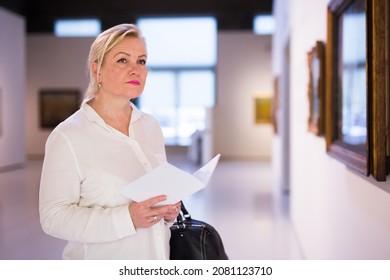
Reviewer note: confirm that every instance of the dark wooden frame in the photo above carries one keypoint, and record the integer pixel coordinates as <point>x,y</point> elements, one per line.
<point>371,159</point>
<point>56,105</point>
<point>316,89</point>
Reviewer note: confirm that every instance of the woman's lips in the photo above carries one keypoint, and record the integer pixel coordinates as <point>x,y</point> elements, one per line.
<point>134,82</point>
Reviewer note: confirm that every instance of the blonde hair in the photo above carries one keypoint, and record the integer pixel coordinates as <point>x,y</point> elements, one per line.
<point>103,43</point>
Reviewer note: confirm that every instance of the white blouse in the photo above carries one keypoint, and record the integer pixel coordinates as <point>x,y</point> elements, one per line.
<point>87,163</point>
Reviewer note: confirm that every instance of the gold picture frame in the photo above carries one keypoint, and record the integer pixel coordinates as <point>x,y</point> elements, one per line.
<point>344,92</point>
<point>316,88</point>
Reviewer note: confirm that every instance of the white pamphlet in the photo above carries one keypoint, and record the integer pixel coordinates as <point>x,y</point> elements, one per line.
<point>167,179</point>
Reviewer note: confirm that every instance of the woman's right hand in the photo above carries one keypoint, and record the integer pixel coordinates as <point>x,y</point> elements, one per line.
<point>145,214</point>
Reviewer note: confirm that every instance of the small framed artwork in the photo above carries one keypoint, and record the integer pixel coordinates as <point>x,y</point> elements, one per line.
<point>357,78</point>
<point>262,109</point>
<point>316,88</point>
<point>275,104</point>
<point>56,105</point>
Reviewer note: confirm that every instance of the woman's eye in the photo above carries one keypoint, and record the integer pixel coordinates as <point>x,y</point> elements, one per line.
<point>122,60</point>
<point>142,61</point>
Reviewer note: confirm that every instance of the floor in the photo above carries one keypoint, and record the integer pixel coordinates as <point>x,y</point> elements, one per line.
<point>240,202</point>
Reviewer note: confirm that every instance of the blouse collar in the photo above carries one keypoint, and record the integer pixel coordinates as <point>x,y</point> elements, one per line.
<point>93,116</point>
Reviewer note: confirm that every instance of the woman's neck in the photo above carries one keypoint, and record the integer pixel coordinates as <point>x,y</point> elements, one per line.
<point>115,113</point>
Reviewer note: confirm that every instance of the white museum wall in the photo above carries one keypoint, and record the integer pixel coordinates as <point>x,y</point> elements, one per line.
<point>52,63</point>
<point>336,213</point>
<point>280,71</point>
<point>243,70</point>
<point>12,89</point>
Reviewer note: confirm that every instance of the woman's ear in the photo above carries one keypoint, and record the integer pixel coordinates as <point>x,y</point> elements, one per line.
<point>94,68</point>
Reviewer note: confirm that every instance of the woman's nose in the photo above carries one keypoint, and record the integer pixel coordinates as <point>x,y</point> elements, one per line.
<point>135,68</point>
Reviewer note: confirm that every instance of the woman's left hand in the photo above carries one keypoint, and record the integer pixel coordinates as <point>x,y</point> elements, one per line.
<point>174,210</point>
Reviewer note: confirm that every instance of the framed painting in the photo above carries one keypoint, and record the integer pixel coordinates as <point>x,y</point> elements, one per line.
<point>56,105</point>
<point>275,105</point>
<point>357,78</point>
<point>262,109</point>
<point>316,88</point>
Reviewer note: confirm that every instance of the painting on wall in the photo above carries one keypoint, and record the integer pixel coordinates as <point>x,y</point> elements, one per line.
<point>262,109</point>
<point>56,105</point>
<point>357,76</point>
<point>275,105</point>
<point>316,88</point>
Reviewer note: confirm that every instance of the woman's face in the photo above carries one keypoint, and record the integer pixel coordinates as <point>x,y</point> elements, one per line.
<point>123,72</point>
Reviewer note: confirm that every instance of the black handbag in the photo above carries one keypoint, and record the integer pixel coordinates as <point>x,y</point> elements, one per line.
<point>195,240</point>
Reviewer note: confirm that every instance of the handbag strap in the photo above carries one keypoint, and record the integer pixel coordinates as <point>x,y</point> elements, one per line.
<point>186,215</point>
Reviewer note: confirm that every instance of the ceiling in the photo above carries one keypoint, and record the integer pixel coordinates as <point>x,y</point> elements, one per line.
<point>230,14</point>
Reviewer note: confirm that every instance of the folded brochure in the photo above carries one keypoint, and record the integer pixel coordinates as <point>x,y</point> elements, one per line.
<point>167,179</point>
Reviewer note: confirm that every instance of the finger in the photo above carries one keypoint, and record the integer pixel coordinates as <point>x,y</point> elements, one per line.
<point>154,200</point>
<point>178,206</point>
<point>174,208</point>
<point>170,218</point>
<point>162,210</point>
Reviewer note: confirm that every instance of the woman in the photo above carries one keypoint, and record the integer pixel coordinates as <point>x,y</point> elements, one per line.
<point>93,154</point>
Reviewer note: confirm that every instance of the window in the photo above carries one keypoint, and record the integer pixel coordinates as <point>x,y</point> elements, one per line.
<point>178,98</point>
<point>264,24</point>
<point>181,82</point>
<point>180,42</point>
<point>77,27</point>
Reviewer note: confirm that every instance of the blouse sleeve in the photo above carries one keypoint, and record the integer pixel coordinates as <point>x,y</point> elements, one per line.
<point>60,213</point>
